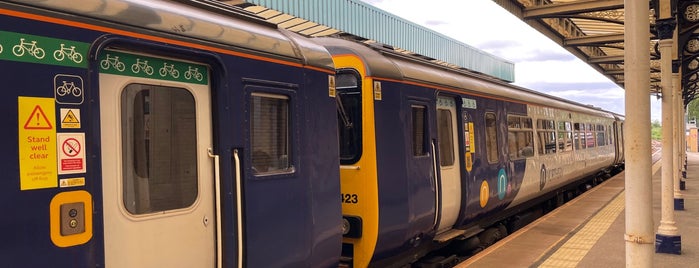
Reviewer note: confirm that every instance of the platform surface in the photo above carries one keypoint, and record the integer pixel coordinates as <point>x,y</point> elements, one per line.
<point>589,230</point>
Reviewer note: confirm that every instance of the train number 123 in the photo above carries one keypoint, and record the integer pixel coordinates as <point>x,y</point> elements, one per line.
<point>349,198</point>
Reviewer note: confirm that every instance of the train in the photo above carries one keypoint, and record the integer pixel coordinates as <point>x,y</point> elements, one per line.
<point>194,134</point>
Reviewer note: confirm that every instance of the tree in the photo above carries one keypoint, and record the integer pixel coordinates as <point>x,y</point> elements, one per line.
<point>655,130</point>
<point>693,110</point>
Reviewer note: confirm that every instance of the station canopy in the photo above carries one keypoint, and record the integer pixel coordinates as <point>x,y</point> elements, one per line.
<point>362,22</point>
<point>592,30</point>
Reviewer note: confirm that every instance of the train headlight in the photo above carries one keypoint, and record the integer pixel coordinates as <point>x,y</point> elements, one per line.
<point>345,226</point>
<point>351,226</point>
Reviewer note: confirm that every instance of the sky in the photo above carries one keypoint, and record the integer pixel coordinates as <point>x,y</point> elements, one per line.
<point>540,64</point>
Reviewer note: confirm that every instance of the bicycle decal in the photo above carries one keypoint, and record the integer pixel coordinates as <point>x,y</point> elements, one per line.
<point>34,49</point>
<point>30,48</point>
<point>68,89</point>
<point>70,53</point>
<point>114,62</point>
<point>142,65</point>
<point>169,69</point>
<point>193,72</point>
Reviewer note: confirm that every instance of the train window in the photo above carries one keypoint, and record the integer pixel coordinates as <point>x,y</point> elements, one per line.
<point>546,129</point>
<point>590,135</point>
<point>520,137</point>
<point>579,136</point>
<point>565,136</point>
<point>446,139</point>
<point>269,133</point>
<point>159,139</point>
<point>601,135</point>
<point>349,113</point>
<point>491,140</point>
<point>419,129</point>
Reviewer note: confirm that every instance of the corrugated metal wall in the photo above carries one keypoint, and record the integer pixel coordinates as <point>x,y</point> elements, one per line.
<point>361,19</point>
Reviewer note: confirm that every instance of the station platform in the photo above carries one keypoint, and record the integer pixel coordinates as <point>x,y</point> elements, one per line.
<point>589,230</point>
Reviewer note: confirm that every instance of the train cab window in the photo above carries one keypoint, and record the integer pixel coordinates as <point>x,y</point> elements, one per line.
<point>491,137</point>
<point>419,129</point>
<point>349,113</point>
<point>546,130</point>
<point>159,146</point>
<point>565,136</point>
<point>446,139</point>
<point>269,133</point>
<point>520,137</point>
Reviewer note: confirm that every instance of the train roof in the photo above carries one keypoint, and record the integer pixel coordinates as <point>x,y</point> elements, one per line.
<point>206,21</point>
<point>384,63</point>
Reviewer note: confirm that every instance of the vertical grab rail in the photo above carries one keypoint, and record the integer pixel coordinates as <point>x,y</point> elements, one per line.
<point>217,188</point>
<point>436,185</point>
<point>239,207</point>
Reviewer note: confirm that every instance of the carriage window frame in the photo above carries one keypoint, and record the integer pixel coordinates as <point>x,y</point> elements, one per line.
<point>160,172</point>
<point>546,130</point>
<point>348,86</point>
<point>446,137</point>
<point>601,135</point>
<point>275,156</point>
<point>520,137</point>
<point>565,136</point>
<point>418,133</point>
<point>491,137</point>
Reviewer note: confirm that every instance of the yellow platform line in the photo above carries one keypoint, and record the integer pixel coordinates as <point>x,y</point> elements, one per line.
<point>575,249</point>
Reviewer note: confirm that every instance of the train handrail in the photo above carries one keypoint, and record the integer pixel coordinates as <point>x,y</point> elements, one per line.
<point>239,207</point>
<point>217,187</point>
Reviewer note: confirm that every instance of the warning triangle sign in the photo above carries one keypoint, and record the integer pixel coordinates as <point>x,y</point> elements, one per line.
<point>70,118</point>
<point>38,120</point>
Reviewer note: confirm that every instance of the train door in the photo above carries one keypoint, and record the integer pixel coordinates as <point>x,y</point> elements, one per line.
<point>157,177</point>
<point>449,163</point>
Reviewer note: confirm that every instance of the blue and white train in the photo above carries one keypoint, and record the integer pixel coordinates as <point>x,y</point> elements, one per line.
<point>434,157</point>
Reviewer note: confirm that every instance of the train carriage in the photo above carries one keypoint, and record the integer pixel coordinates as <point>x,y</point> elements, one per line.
<point>434,157</point>
<point>157,134</point>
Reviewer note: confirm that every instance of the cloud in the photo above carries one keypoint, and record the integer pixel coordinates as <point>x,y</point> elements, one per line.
<point>435,22</point>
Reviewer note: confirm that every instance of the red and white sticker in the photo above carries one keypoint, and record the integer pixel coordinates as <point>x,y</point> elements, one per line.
<point>71,153</point>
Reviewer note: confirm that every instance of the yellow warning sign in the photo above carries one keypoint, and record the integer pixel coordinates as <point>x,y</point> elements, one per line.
<point>70,118</point>
<point>37,143</point>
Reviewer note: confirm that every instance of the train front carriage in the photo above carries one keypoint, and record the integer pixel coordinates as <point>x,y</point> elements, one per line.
<point>151,133</point>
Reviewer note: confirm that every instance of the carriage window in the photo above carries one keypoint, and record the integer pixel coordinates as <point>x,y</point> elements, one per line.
<point>491,141</point>
<point>546,129</point>
<point>565,136</point>
<point>159,146</point>
<point>520,137</point>
<point>269,133</point>
<point>601,135</point>
<point>579,136</point>
<point>590,134</point>
<point>349,113</point>
<point>446,139</point>
<point>419,115</point>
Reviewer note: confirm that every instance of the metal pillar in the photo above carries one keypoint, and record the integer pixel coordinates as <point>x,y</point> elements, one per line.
<point>667,240</point>
<point>639,214</point>
<point>679,136</point>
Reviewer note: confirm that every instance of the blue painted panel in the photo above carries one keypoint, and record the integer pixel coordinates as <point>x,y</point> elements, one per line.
<point>406,182</point>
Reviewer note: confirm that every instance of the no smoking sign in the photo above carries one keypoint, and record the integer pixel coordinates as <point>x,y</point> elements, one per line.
<point>71,153</point>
